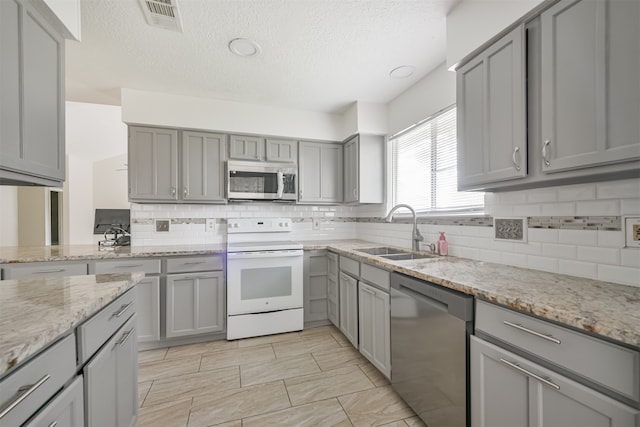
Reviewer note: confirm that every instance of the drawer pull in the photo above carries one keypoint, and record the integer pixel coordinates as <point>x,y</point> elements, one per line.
<point>121,310</point>
<point>368,291</point>
<point>124,337</point>
<point>24,392</point>
<point>193,263</point>
<point>53,424</point>
<point>517,367</point>
<point>57,270</point>
<point>537,334</point>
<point>131,266</point>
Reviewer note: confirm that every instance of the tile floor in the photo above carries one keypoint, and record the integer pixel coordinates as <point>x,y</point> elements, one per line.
<point>309,378</point>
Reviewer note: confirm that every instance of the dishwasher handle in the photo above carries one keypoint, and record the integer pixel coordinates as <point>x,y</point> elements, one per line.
<point>453,302</point>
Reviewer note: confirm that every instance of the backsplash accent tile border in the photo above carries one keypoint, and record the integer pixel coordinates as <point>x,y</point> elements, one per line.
<point>475,221</point>
<point>609,223</point>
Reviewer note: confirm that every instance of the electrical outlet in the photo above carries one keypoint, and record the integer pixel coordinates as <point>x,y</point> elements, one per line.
<point>162,225</point>
<point>210,224</point>
<point>632,232</point>
<point>316,224</point>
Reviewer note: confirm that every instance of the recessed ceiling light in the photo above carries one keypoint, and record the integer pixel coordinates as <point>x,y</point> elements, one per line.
<point>402,72</point>
<point>244,47</point>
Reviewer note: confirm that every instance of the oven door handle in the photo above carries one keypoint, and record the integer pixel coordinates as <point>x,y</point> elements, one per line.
<point>280,184</point>
<point>264,254</point>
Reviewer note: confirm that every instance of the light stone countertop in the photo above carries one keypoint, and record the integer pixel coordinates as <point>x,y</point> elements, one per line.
<point>36,312</point>
<point>602,308</point>
<point>9,255</point>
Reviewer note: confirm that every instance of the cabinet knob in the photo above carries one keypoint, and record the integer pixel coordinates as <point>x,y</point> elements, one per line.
<point>544,152</point>
<point>300,194</point>
<point>173,191</point>
<point>186,191</point>
<point>515,158</point>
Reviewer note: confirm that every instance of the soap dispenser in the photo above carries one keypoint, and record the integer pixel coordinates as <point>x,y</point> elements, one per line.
<point>443,245</point>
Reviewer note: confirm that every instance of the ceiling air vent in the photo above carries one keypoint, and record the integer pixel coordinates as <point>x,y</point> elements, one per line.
<point>162,14</point>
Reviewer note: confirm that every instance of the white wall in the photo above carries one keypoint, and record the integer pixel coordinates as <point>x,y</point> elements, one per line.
<point>473,22</point>
<point>9,216</point>
<point>140,107</point>
<point>33,211</point>
<point>433,93</point>
<point>94,131</point>
<point>78,213</point>
<point>110,183</point>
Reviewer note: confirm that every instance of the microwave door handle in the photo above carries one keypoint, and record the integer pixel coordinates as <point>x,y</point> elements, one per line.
<point>280,184</point>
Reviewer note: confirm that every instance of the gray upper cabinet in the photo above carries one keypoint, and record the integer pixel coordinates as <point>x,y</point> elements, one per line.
<point>203,156</point>
<point>153,164</point>
<point>244,147</point>
<point>590,91</point>
<point>491,113</point>
<point>32,103</point>
<point>281,150</point>
<point>320,172</point>
<point>364,169</point>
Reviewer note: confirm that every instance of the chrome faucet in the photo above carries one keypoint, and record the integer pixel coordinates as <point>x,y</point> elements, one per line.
<point>416,236</point>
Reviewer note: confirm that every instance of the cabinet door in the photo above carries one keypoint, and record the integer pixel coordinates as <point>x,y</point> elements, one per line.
<point>148,309</point>
<point>10,138</point>
<point>127,376</point>
<point>349,308</point>
<point>374,327</point>
<point>315,286</point>
<point>244,147</point>
<point>590,92</point>
<point>66,409</point>
<point>203,156</point>
<point>508,390</point>
<point>153,164</point>
<point>333,293</point>
<point>491,113</point>
<point>320,172</point>
<point>351,170</point>
<point>279,150</point>
<point>195,304</point>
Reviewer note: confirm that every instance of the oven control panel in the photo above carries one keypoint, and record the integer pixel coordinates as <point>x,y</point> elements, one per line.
<point>259,225</point>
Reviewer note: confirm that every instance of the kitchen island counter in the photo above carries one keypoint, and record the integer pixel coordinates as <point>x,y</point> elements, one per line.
<point>605,309</point>
<point>35,313</point>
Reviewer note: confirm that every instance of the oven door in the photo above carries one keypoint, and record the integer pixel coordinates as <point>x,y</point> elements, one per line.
<point>264,281</point>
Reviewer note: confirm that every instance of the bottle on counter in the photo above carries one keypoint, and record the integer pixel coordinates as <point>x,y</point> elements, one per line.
<point>443,245</point>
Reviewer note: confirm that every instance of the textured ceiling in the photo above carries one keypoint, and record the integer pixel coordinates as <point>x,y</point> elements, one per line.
<point>319,55</point>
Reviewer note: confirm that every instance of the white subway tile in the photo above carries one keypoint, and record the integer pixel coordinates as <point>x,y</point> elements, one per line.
<point>491,199</point>
<point>630,206</point>
<point>455,251</point>
<point>526,210</point>
<point>571,193</point>
<point>578,237</point>
<point>542,263</point>
<point>542,195</point>
<point>630,257</point>
<point>518,260</point>
<point>554,250</point>
<point>490,256</point>
<point>530,248</point>
<point>617,274</point>
<point>599,255</point>
<point>497,245</point>
<point>629,188</point>
<point>471,253</point>
<point>598,208</point>
<point>502,210</point>
<point>558,209</point>
<point>513,197</point>
<point>543,235</point>
<point>577,268</point>
<point>610,239</point>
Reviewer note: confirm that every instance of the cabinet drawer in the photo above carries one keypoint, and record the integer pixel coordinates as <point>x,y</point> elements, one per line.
<point>195,263</point>
<point>43,269</point>
<point>375,276</point>
<point>97,330</point>
<point>42,377</point>
<point>66,409</point>
<point>350,266</point>
<point>614,367</point>
<point>149,266</point>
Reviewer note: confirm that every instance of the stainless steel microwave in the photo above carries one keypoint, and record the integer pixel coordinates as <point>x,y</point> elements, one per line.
<point>261,181</point>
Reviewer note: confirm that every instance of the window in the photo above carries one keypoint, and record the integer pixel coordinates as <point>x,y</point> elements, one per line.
<point>425,167</point>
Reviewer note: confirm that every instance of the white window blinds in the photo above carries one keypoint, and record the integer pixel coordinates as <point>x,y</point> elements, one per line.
<point>424,167</point>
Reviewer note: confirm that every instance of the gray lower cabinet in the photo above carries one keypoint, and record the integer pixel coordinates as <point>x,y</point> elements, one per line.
<point>349,308</point>
<point>153,164</point>
<point>148,309</point>
<point>491,99</point>
<point>315,291</point>
<point>281,150</point>
<point>364,169</point>
<point>589,87</point>
<point>203,156</point>
<point>320,172</point>
<point>245,147</point>
<point>43,269</point>
<point>333,293</point>
<point>32,145</point>
<point>509,390</point>
<point>66,409</point>
<point>195,303</point>
<point>374,323</point>
<point>111,381</point>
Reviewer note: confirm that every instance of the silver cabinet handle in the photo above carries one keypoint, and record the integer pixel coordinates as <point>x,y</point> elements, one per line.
<point>544,152</point>
<point>355,193</point>
<point>519,368</point>
<point>515,160</point>
<point>173,191</point>
<point>23,393</point>
<point>53,424</point>
<point>300,194</point>
<point>186,191</point>
<point>131,266</point>
<point>193,263</point>
<point>124,337</point>
<point>122,309</point>
<point>57,270</point>
<point>368,291</point>
<point>529,331</point>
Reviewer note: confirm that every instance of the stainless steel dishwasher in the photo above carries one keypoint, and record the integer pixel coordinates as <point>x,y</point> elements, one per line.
<point>430,328</point>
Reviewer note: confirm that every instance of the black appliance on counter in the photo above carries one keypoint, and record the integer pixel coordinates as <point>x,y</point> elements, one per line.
<point>115,225</point>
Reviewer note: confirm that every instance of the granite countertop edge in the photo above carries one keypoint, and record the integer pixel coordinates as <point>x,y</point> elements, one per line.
<point>23,334</point>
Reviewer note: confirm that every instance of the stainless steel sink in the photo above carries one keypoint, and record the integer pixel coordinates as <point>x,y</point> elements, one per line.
<point>398,257</point>
<point>383,251</point>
